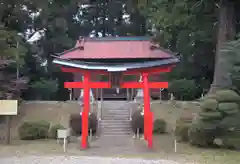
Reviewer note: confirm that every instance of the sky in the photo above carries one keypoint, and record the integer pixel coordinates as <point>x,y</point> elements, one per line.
<point>36,36</point>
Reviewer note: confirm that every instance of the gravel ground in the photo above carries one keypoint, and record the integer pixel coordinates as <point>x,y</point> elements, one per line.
<point>77,160</point>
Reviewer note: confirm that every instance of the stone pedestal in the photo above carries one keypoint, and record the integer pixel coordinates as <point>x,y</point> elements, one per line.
<point>80,99</point>
<point>139,96</point>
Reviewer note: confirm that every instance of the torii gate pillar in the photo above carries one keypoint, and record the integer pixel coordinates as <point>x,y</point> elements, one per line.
<point>86,108</point>
<point>147,112</point>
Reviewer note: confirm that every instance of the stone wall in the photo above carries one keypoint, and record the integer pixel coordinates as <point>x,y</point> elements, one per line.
<point>53,111</point>
<point>58,112</point>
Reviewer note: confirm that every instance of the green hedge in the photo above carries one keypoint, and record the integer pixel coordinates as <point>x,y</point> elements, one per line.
<point>184,89</point>
<point>182,128</point>
<point>75,123</point>
<point>159,126</point>
<point>34,130</point>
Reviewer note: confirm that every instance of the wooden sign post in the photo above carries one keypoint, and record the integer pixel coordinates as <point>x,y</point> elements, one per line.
<point>8,108</point>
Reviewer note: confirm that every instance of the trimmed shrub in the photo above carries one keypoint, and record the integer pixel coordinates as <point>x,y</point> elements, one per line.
<point>231,141</point>
<point>54,129</point>
<point>75,123</point>
<point>181,132</point>
<point>159,126</point>
<point>34,130</point>
<point>201,137</point>
<point>230,124</point>
<point>210,115</point>
<point>227,96</point>
<point>92,123</point>
<point>28,131</point>
<point>182,128</point>
<point>209,105</point>
<point>217,124</point>
<point>230,132</point>
<point>184,89</point>
<point>137,122</point>
<point>43,127</point>
<point>206,125</point>
<point>228,108</point>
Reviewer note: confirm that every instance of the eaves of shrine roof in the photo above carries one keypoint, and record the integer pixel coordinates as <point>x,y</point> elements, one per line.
<point>116,66</point>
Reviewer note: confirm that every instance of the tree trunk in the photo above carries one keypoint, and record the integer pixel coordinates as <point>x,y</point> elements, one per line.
<point>226,32</point>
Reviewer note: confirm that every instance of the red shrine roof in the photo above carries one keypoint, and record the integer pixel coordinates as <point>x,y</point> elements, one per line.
<point>87,50</point>
<point>115,48</point>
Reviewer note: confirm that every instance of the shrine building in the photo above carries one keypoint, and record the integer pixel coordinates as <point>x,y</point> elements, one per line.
<point>116,66</point>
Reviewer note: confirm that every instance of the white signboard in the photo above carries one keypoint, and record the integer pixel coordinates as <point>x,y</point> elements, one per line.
<point>8,107</point>
<point>62,133</point>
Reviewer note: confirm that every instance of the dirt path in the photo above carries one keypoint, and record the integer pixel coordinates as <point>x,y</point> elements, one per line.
<point>77,160</point>
<point>114,146</point>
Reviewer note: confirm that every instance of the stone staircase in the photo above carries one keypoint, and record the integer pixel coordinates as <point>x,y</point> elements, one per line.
<point>115,120</point>
<point>115,127</point>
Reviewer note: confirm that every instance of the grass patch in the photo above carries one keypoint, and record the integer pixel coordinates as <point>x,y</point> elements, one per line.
<point>164,145</point>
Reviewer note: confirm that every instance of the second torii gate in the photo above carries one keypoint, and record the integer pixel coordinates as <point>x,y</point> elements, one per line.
<point>87,84</point>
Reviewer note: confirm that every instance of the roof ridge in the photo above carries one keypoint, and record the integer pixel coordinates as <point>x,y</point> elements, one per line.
<point>121,38</point>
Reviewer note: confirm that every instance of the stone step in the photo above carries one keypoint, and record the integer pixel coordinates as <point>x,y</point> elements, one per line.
<point>117,107</point>
<point>116,119</point>
<point>115,112</point>
<point>115,116</point>
<point>116,133</point>
<point>104,129</point>
<point>114,122</point>
<point>115,129</point>
<point>112,119</point>
<point>115,125</point>
<point>122,127</point>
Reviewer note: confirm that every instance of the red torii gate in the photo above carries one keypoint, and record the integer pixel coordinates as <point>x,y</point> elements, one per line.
<point>145,84</point>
